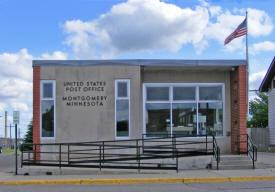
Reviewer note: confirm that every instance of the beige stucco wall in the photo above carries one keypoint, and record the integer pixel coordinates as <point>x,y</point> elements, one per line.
<point>189,76</point>
<point>82,123</point>
<point>79,123</point>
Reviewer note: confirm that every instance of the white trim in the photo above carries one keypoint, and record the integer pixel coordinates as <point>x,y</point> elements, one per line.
<point>197,101</point>
<point>48,99</point>
<point>129,107</point>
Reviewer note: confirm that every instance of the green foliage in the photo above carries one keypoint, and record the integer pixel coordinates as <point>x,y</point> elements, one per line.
<point>258,109</point>
<point>28,137</point>
<point>9,151</point>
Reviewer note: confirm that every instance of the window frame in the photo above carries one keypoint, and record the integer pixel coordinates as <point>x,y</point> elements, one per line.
<point>129,107</point>
<point>53,82</point>
<point>171,101</point>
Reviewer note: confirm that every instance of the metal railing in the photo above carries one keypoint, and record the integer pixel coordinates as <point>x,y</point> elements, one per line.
<point>252,150</point>
<point>216,152</point>
<point>247,146</point>
<point>144,153</point>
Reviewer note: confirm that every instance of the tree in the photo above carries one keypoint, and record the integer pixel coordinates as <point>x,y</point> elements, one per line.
<point>28,137</point>
<point>258,109</point>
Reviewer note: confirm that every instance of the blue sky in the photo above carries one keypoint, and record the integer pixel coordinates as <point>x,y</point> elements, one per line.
<point>120,29</point>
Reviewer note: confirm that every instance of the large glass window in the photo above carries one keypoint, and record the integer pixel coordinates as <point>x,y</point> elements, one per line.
<point>157,118</point>
<point>184,93</point>
<point>158,93</point>
<point>184,119</point>
<point>184,109</point>
<point>211,93</point>
<point>47,104</point>
<point>210,119</point>
<point>122,107</point>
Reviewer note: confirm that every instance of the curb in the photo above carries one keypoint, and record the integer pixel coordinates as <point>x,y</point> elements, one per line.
<point>138,180</point>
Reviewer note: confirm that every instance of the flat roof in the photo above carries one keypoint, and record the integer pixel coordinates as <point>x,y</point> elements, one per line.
<point>140,62</point>
<point>268,77</point>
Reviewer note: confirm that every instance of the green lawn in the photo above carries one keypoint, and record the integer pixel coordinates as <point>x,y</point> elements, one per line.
<point>7,151</point>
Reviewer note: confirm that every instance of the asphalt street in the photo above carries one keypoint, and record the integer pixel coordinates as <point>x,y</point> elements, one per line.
<point>259,186</point>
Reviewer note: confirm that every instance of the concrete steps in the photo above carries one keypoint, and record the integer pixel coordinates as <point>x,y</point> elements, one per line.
<point>231,162</point>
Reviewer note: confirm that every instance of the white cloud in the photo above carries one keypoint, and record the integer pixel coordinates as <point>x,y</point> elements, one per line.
<point>16,74</point>
<point>19,107</point>
<point>57,55</point>
<point>262,46</point>
<point>14,88</point>
<point>215,10</point>
<point>16,80</point>
<point>19,65</point>
<point>16,65</point>
<point>224,26</point>
<point>2,107</point>
<point>259,23</point>
<point>204,3</point>
<point>26,116</point>
<point>152,25</point>
<point>255,79</point>
<point>137,25</point>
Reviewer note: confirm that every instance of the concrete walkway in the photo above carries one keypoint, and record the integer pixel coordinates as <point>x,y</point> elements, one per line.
<point>265,170</point>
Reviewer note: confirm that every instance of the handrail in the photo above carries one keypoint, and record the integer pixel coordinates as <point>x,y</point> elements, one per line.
<point>252,150</point>
<point>119,153</point>
<point>216,151</point>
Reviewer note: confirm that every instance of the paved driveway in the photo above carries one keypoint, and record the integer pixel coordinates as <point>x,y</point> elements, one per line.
<point>7,162</point>
<point>265,160</point>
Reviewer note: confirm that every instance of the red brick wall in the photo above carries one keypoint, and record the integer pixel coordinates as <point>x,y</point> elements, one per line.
<point>238,109</point>
<point>36,107</point>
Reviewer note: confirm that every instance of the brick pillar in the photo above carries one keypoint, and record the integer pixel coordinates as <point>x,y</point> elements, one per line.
<point>238,109</point>
<point>36,109</point>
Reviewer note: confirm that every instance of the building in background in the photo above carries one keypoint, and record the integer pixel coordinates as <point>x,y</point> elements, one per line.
<point>268,85</point>
<point>91,100</point>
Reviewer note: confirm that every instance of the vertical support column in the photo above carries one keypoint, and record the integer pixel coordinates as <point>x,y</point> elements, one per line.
<point>36,110</point>
<point>238,109</point>
<point>242,72</point>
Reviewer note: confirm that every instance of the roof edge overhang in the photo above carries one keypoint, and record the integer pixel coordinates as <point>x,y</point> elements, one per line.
<point>142,62</point>
<point>268,77</point>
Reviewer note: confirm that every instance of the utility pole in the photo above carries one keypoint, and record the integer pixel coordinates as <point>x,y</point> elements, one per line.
<point>16,121</point>
<point>16,167</point>
<point>6,124</point>
<point>10,137</point>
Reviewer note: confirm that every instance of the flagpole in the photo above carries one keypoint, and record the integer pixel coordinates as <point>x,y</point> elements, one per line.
<point>247,67</point>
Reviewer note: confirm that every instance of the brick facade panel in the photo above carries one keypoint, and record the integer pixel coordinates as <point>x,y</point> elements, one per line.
<point>36,108</point>
<point>238,108</point>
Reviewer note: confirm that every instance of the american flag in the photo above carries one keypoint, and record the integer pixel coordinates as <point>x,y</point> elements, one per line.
<point>240,31</point>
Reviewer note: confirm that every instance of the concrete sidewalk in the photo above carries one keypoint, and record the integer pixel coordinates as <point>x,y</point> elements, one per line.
<point>265,170</point>
<point>122,177</point>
